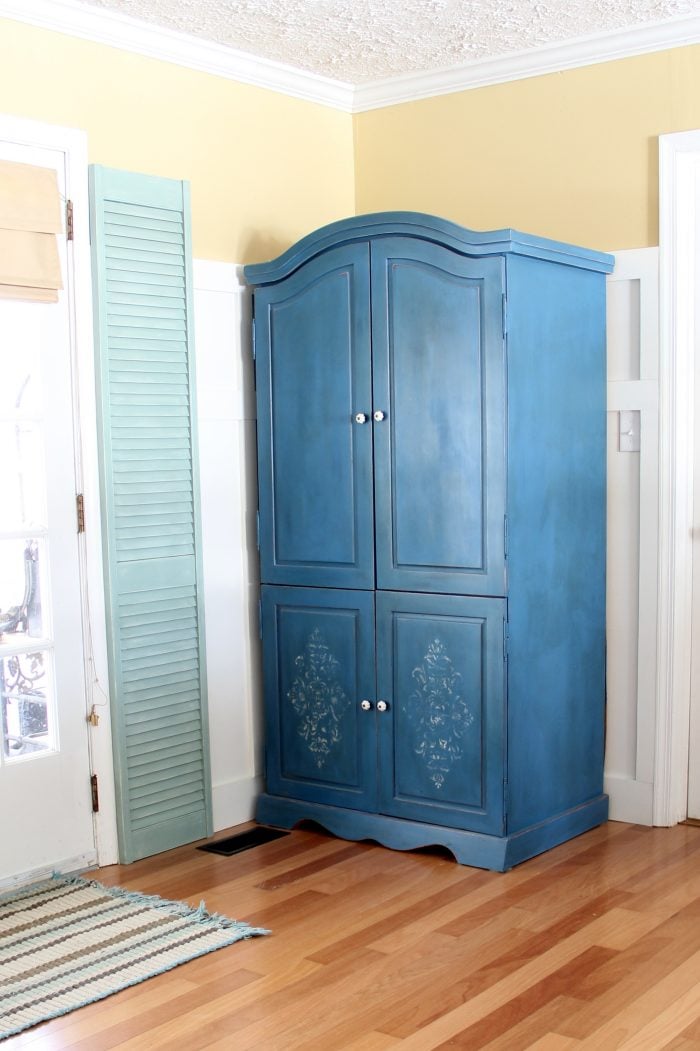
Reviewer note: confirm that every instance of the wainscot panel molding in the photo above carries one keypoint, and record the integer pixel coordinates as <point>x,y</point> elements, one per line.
<point>633,533</point>
<point>226,414</point>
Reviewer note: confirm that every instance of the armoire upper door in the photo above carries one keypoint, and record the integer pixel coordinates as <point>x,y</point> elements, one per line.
<point>439,393</point>
<point>314,382</point>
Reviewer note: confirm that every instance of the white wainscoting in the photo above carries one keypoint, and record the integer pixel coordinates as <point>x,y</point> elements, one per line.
<point>632,546</point>
<point>226,432</point>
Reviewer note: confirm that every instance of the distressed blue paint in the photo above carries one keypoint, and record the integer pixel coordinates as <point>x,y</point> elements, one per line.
<point>556,559</point>
<point>420,226</point>
<point>498,853</point>
<point>440,668</point>
<point>438,370</point>
<point>318,661</point>
<point>315,463</point>
<point>495,756</point>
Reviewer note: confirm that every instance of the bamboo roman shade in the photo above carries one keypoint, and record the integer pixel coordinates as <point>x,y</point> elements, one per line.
<point>30,218</point>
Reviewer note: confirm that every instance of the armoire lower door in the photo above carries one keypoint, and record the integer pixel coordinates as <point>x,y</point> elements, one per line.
<point>440,701</point>
<point>318,660</point>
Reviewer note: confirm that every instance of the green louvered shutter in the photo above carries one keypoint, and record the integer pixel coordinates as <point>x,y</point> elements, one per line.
<point>150,509</point>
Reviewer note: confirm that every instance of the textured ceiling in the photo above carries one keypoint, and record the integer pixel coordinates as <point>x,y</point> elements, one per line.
<point>359,41</point>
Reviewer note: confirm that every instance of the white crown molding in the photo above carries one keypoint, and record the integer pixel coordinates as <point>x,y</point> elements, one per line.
<point>550,58</point>
<point>130,34</point>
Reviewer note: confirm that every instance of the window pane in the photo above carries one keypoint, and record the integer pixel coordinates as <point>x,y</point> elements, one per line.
<point>27,702</point>
<point>19,358</point>
<point>21,564</point>
<point>22,476</point>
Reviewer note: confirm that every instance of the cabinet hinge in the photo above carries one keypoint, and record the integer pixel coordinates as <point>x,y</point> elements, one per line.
<point>260,632</point>
<point>504,308</point>
<point>253,339</point>
<point>257,529</point>
<point>505,640</point>
<point>80,510</point>
<point>505,535</point>
<point>95,794</point>
<point>69,220</point>
<point>506,799</point>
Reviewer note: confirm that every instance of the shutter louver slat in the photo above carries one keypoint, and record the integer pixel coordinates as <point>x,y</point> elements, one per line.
<point>161,776</point>
<point>134,212</point>
<point>142,763</point>
<point>140,241</point>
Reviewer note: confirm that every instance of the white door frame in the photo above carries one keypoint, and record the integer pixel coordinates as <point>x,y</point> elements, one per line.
<point>73,143</point>
<point>679,193</point>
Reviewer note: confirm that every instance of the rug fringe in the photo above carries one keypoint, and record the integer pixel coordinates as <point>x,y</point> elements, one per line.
<point>200,914</point>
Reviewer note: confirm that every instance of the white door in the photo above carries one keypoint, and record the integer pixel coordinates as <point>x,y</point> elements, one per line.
<point>46,819</point>
<point>694,744</point>
<point>694,751</point>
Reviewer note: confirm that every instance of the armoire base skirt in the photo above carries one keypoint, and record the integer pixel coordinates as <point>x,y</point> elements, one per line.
<point>498,853</point>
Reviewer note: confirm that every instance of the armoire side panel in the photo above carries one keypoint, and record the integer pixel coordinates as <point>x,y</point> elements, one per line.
<point>556,543</point>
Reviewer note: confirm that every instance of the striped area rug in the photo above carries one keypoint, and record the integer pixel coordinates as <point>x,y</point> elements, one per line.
<point>67,942</point>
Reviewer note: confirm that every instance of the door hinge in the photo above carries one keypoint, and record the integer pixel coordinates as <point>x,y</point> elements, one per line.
<point>69,220</point>
<point>505,640</point>
<point>253,340</point>
<point>257,529</point>
<point>504,309</point>
<point>260,631</point>
<point>505,535</point>
<point>80,508</point>
<point>94,793</point>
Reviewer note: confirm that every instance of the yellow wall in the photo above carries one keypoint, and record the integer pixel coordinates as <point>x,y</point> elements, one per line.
<point>570,155</point>
<point>264,169</point>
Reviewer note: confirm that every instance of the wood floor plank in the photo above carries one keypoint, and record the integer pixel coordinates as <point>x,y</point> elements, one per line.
<point>518,1008</point>
<point>595,944</point>
<point>655,1017</point>
<point>633,975</point>
<point>540,1023</point>
<point>554,1042</point>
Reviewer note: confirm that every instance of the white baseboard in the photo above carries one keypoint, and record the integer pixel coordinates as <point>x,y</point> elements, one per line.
<point>233,802</point>
<point>68,866</point>
<point>630,800</point>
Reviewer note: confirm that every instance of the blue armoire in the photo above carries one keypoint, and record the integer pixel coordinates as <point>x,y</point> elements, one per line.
<point>431,451</point>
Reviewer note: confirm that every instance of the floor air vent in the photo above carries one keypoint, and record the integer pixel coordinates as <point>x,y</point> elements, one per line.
<point>252,837</point>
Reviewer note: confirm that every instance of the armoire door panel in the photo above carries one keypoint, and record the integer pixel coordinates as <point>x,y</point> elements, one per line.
<point>441,674</point>
<point>318,657</point>
<point>438,367</point>
<point>313,379</point>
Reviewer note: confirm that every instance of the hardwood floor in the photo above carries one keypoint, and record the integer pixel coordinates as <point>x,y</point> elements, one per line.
<point>595,944</point>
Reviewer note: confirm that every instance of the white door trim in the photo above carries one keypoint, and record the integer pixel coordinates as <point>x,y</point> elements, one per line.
<point>73,143</point>
<point>679,191</point>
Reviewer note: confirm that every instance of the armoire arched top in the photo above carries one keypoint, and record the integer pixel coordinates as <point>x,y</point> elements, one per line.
<point>427,228</point>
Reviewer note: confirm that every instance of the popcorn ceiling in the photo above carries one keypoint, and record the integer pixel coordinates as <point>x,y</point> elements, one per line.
<point>359,41</point>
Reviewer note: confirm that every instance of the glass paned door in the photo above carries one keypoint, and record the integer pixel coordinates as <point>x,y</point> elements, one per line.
<point>46,813</point>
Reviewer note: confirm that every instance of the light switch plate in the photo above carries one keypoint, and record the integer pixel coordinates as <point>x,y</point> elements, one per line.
<point>629,440</point>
